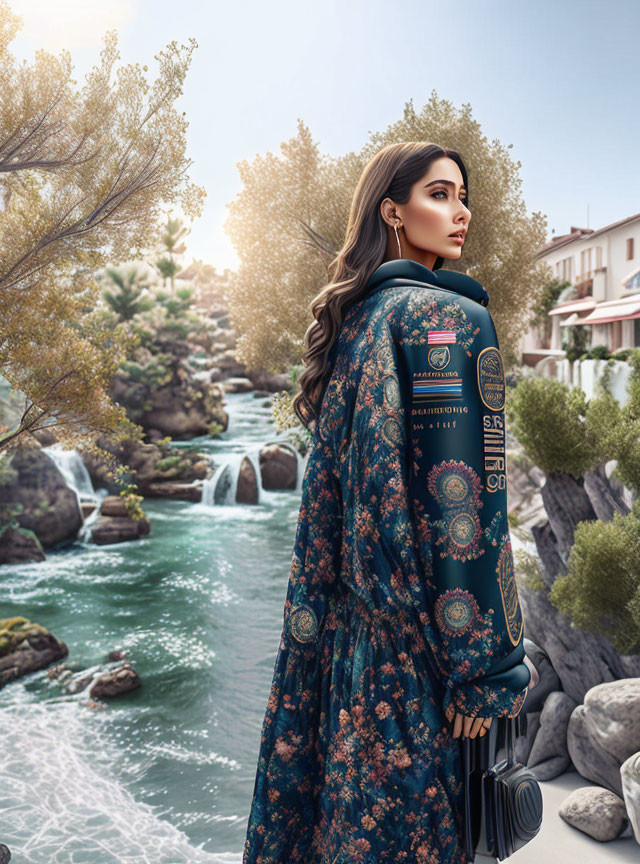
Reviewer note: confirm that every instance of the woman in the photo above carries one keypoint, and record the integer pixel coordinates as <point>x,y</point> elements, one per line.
<point>402,626</point>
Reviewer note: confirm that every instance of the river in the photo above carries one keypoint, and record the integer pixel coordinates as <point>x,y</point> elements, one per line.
<point>164,774</point>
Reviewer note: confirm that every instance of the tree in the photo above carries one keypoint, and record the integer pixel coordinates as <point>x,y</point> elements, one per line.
<point>84,175</point>
<point>564,433</point>
<point>290,218</point>
<point>172,244</point>
<point>548,298</point>
<point>131,294</point>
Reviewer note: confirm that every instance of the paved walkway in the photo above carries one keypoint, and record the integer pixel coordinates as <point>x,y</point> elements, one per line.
<point>559,843</point>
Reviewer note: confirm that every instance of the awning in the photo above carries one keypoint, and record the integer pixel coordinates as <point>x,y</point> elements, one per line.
<point>614,310</point>
<point>572,320</point>
<point>582,305</point>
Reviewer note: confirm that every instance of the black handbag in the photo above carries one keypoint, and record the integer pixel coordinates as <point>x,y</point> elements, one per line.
<point>502,800</point>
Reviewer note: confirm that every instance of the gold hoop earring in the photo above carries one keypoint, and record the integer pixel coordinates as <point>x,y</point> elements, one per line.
<point>395,227</point>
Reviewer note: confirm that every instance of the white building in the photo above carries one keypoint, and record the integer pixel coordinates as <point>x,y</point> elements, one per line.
<point>603,268</point>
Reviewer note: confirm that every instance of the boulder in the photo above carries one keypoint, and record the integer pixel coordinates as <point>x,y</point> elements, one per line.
<point>25,647</point>
<point>581,659</point>
<point>115,682</point>
<point>605,731</point>
<point>270,381</point>
<point>113,529</point>
<point>551,563</point>
<point>566,503</point>
<point>549,756</point>
<point>630,776</point>
<point>238,385</point>
<point>154,466</point>
<point>247,487</point>
<point>278,467</point>
<point>18,545</point>
<point>174,490</point>
<point>605,498</point>
<point>35,487</point>
<point>164,391</point>
<point>597,812</point>
<point>548,680</point>
<point>113,505</point>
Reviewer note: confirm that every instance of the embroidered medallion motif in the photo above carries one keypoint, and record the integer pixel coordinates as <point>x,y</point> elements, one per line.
<point>392,432</point>
<point>509,590</point>
<point>454,483</point>
<point>303,623</point>
<point>455,611</point>
<point>391,391</point>
<point>491,380</point>
<point>457,487</point>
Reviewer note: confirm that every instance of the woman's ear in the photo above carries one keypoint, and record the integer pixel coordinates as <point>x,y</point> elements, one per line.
<point>388,212</point>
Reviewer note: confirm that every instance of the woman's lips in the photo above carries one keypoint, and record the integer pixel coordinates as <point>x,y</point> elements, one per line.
<point>457,238</point>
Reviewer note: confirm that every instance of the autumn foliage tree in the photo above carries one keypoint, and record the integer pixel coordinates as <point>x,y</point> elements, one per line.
<point>85,174</point>
<point>290,217</point>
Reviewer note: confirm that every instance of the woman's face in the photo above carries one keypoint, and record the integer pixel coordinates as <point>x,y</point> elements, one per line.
<point>434,212</point>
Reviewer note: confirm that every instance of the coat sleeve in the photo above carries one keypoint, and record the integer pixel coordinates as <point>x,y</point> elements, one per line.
<point>455,396</point>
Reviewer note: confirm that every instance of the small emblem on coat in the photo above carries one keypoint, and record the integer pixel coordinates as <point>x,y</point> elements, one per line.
<point>303,623</point>
<point>491,382</point>
<point>455,611</point>
<point>509,591</point>
<point>441,337</point>
<point>438,356</point>
<point>391,391</point>
<point>392,432</point>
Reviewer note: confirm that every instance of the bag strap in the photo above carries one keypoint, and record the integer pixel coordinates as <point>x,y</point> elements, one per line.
<point>511,739</point>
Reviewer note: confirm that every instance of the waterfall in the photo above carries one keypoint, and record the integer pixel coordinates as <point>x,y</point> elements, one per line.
<point>78,479</point>
<point>221,487</point>
<point>73,469</point>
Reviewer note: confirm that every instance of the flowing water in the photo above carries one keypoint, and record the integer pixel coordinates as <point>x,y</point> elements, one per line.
<point>165,773</point>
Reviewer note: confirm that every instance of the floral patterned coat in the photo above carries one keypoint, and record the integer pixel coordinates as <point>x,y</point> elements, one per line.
<point>402,602</point>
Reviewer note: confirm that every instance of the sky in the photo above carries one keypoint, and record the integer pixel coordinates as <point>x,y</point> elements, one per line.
<point>557,80</point>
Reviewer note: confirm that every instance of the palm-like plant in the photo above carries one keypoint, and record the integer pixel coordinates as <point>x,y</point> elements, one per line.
<point>129,296</point>
<point>172,244</point>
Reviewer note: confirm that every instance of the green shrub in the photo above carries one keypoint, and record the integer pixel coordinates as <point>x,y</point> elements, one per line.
<point>549,421</point>
<point>601,590</point>
<point>528,568</point>
<point>599,352</point>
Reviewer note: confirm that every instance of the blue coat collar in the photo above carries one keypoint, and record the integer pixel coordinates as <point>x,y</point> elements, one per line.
<point>407,268</point>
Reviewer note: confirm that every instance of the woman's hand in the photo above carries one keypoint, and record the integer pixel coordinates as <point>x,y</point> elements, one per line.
<point>468,726</point>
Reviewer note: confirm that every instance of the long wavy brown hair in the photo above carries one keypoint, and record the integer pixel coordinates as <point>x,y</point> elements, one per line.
<point>391,173</point>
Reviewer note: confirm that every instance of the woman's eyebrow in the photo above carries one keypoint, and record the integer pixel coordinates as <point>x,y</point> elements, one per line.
<point>447,182</point>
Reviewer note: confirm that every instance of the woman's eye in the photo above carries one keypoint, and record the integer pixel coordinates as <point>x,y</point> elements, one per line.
<point>442,192</point>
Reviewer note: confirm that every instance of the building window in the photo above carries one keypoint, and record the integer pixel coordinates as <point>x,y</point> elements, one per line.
<point>629,248</point>
<point>585,263</point>
<point>563,270</point>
